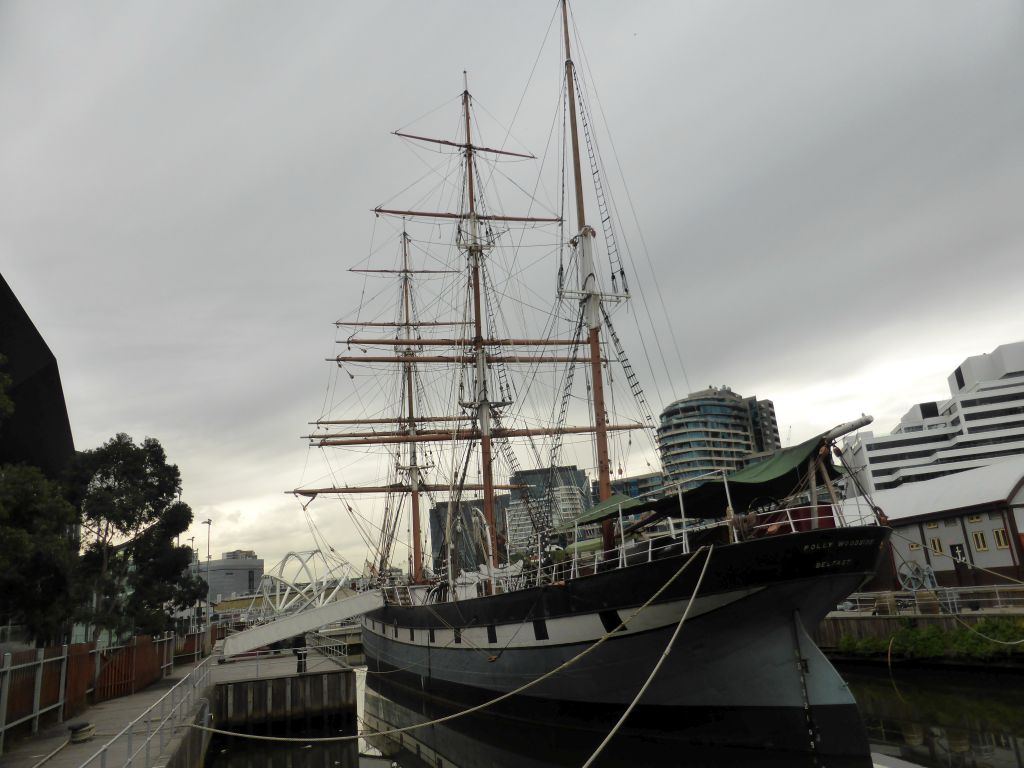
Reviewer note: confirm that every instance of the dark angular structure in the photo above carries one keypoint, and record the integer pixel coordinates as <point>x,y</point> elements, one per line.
<point>38,432</point>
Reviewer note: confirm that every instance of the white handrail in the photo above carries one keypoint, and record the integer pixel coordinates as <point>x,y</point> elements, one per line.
<point>177,704</point>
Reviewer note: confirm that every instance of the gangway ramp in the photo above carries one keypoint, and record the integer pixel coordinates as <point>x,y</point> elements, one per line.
<point>302,622</point>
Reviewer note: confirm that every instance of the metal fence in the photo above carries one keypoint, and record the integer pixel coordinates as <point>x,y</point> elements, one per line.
<point>332,647</point>
<point>993,599</point>
<point>54,683</point>
<point>146,737</point>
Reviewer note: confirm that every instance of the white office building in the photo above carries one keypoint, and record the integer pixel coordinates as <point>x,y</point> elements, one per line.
<point>237,573</point>
<point>982,422</point>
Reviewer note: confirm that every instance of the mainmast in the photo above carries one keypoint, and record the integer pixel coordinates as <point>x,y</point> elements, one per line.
<point>588,279</point>
<point>480,400</point>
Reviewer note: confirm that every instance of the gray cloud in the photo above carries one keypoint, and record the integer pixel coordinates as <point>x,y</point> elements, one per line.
<point>829,193</point>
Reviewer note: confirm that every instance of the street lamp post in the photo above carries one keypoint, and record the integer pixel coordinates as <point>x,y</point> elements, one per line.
<point>209,527</point>
<point>195,606</point>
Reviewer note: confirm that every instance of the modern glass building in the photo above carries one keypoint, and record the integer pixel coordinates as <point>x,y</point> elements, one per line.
<point>554,495</point>
<point>633,485</point>
<point>712,430</point>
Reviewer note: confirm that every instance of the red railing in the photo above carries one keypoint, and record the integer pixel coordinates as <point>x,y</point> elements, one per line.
<point>51,684</point>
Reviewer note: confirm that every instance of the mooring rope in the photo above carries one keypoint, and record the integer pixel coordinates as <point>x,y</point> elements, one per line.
<point>654,672</point>
<point>561,667</point>
<point>970,566</point>
<point>954,616</point>
<point>888,660</point>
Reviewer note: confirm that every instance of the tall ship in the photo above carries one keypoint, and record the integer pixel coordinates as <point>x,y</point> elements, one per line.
<point>462,370</point>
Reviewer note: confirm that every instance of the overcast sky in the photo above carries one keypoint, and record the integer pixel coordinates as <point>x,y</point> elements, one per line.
<point>830,194</point>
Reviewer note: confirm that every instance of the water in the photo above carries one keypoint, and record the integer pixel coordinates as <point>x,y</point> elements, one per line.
<point>942,717</point>
<point>927,717</point>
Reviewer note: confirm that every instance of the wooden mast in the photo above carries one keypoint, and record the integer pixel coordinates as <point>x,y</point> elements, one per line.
<point>414,470</point>
<point>480,396</point>
<point>588,278</point>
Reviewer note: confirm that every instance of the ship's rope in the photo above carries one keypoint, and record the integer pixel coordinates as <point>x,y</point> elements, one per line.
<point>879,514</point>
<point>896,534</point>
<point>970,566</point>
<point>560,668</point>
<point>657,666</point>
<point>951,614</point>
<point>888,661</point>
<point>657,333</point>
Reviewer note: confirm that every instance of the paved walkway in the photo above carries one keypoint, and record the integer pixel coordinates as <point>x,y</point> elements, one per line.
<point>110,717</point>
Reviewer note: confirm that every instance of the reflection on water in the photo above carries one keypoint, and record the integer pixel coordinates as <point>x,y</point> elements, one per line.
<point>940,717</point>
<point>240,752</point>
<point>516,734</point>
<point>929,718</point>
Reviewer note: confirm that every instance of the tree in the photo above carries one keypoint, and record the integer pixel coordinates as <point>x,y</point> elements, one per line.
<point>37,552</point>
<point>128,498</point>
<point>154,559</point>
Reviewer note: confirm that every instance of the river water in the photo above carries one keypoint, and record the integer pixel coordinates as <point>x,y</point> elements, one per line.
<point>937,716</point>
<point>912,716</point>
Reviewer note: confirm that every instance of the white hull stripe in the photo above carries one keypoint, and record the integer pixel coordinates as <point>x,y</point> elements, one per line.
<point>563,630</point>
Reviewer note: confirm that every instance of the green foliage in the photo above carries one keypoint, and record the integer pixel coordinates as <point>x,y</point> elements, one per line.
<point>131,569</point>
<point>122,488</point>
<point>37,552</point>
<point>155,558</point>
<point>864,646</point>
<point>932,641</point>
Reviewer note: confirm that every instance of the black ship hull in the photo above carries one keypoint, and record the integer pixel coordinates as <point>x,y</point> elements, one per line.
<point>744,648</point>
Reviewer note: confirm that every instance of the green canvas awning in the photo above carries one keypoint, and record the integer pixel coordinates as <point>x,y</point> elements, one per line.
<point>607,508</point>
<point>775,478</point>
<point>585,545</point>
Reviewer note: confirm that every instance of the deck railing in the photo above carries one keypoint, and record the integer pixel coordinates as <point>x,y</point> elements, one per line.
<point>993,598</point>
<point>674,536</point>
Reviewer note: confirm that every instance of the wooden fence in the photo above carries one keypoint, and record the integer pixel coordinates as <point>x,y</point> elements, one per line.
<point>51,684</point>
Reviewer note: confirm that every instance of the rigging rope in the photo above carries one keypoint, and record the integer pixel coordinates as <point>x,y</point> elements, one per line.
<point>640,231</point>
<point>657,666</point>
<point>876,510</point>
<point>560,668</point>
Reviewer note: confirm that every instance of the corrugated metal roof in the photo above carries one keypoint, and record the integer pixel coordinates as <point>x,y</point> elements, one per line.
<point>994,484</point>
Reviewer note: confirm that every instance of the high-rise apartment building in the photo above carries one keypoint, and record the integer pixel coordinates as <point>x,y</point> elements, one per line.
<point>712,430</point>
<point>981,422</point>
<point>553,496</point>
